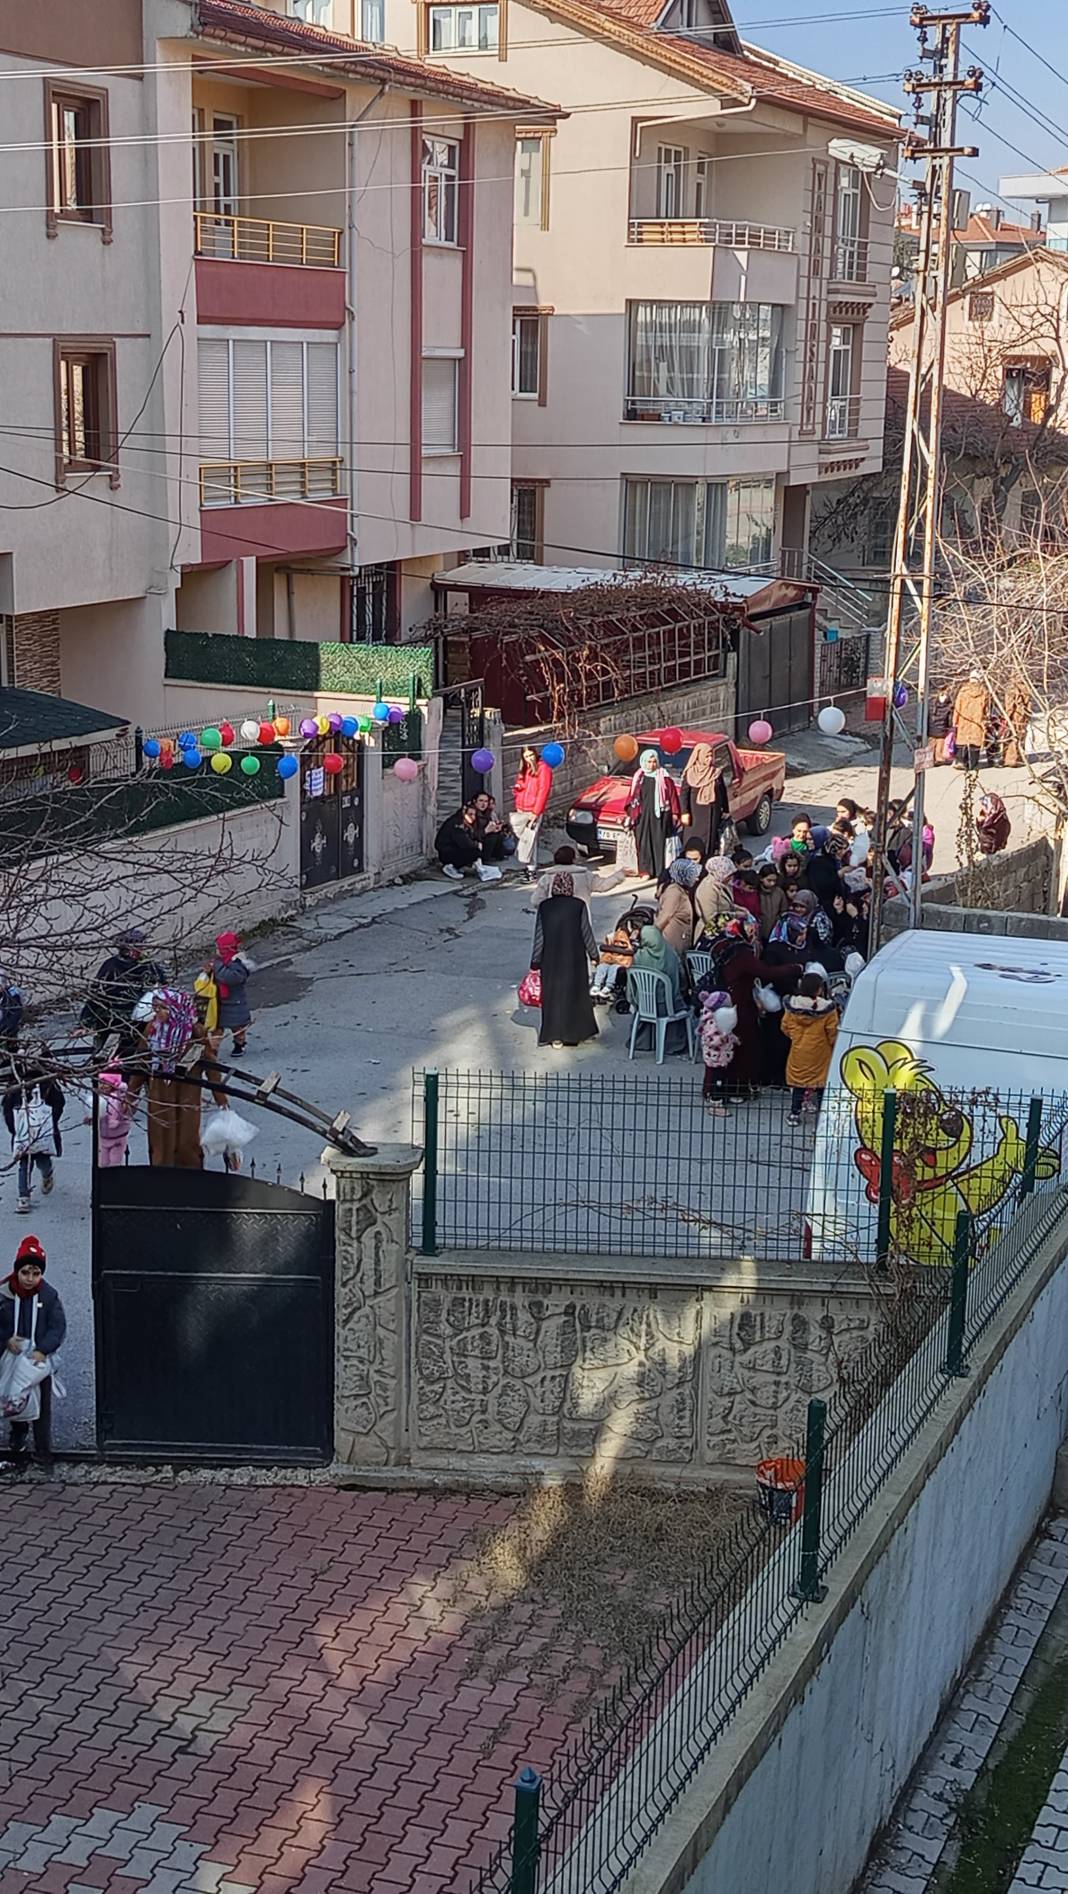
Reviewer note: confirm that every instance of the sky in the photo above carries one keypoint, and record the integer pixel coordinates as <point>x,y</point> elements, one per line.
<point>870,43</point>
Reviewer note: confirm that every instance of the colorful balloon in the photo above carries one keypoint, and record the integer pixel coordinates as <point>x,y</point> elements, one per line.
<point>76,773</point>
<point>901,696</point>
<point>483,761</point>
<point>282,726</point>
<point>349,726</point>
<point>831,720</point>
<point>363,725</point>
<point>760,731</point>
<point>380,712</point>
<point>322,725</point>
<point>250,730</point>
<point>211,738</point>
<point>406,769</point>
<point>227,733</point>
<point>266,733</point>
<point>165,744</point>
<point>192,757</point>
<point>309,727</point>
<point>333,763</point>
<point>186,740</point>
<point>221,763</point>
<point>166,759</point>
<point>151,747</point>
<point>626,748</point>
<point>335,721</point>
<point>250,765</point>
<point>553,754</point>
<point>671,742</point>
<point>287,766</point>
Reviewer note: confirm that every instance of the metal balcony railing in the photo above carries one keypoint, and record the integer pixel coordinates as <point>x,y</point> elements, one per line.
<point>250,482</point>
<point>262,240</point>
<point>668,410</point>
<point>842,421</point>
<point>705,230</point>
<point>850,260</point>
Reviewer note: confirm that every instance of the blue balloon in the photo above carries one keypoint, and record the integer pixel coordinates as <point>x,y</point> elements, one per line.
<point>553,754</point>
<point>191,757</point>
<point>380,713</point>
<point>187,741</point>
<point>287,766</point>
<point>349,726</point>
<point>901,696</point>
<point>150,747</point>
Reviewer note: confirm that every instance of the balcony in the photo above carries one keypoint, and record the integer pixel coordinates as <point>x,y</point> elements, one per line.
<point>850,264</point>
<point>841,425</point>
<point>701,413</point>
<point>709,230</point>
<point>263,240</point>
<point>251,482</point>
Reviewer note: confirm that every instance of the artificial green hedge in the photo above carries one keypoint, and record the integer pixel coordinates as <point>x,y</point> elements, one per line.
<point>81,817</point>
<point>275,664</point>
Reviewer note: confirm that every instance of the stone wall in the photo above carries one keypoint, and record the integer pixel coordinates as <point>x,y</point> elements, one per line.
<point>705,705</point>
<point>33,652</point>
<point>1019,885</point>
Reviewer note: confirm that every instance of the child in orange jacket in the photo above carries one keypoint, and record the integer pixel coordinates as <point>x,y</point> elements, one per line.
<point>810,1022</point>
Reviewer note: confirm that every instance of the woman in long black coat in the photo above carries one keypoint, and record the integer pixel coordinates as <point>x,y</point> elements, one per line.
<point>564,945</point>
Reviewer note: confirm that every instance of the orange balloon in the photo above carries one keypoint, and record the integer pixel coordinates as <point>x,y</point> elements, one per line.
<point>282,726</point>
<point>626,748</point>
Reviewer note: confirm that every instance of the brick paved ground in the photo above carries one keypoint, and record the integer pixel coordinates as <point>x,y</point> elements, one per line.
<point>210,1689</point>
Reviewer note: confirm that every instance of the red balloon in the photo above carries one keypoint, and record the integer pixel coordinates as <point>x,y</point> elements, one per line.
<point>75,774</point>
<point>227,733</point>
<point>333,764</point>
<point>268,733</point>
<point>166,759</point>
<point>671,742</point>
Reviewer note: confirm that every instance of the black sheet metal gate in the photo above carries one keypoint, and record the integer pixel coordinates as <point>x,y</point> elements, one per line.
<point>214,1305</point>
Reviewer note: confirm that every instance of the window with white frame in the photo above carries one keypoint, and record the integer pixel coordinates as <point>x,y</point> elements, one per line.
<point>267,399</point>
<point>670,180</point>
<point>312,12</point>
<point>841,416</point>
<point>441,405</point>
<point>373,21</point>
<point>441,176</point>
<point>531,194</point>
<point>850,250</point>
<point>721,524</point>
<point>702,187</point>
<point>705,362</point>
<point>473,29</point>
<point>526,356</point>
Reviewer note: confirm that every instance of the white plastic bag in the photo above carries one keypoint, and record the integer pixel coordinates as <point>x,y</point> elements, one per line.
<point>226,1130</point>
<point>34,1129</point>
<point>766,998</point>
<point>20,1385</point>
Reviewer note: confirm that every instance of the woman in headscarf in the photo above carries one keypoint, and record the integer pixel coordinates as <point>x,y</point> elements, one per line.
<point>173,1103</point>
<point>703,796</point>
<point>675,910</point>
<point>736,970</point>
<point>653,812</point>
<point>712,898</point>
<point>656,955</point>
<point>807,930</point>
<point>992,825</point>
<point>564,945</point>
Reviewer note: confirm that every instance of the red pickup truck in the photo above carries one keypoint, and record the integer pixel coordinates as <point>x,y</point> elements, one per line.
<point>755,780</point>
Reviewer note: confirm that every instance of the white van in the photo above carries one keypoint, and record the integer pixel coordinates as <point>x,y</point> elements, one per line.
<point>966,1029</point>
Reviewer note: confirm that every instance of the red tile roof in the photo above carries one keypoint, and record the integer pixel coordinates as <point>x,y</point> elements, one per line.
<point>242,24</point>
<point>980,230</point>
<point>975,427</point>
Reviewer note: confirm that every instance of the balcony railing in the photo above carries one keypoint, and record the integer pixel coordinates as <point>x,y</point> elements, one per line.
<point>261,240</point>
<point>704,413</point>
<point>705,230</point>
<point>250,482</point>
<point>850,260</point>
<point>842,422</point>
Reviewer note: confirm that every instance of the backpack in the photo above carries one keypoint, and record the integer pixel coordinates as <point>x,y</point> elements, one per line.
<point>34,1128</point>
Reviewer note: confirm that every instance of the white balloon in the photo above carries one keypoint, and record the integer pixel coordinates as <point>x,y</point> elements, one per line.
<point>831,720</point>
<point>250,729</point>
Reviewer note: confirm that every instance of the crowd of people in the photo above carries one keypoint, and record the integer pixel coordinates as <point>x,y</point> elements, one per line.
<point>476,839</point>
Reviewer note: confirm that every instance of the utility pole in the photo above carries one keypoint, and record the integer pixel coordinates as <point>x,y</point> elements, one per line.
<point>920,504</point>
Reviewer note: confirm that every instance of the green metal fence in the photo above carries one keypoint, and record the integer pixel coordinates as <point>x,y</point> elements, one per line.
<point>278,664</point>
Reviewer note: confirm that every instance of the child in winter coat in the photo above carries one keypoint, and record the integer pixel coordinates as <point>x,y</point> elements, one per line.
<point>617,950</point>
<point>810,1022</point>
<point>745,893</point>
<point>719,1042</point>
<point>772,899</point>
<point>113,1120</point>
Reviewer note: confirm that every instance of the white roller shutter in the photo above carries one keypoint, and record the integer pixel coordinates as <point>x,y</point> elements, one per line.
<point>287,401</point>
<point>250,401</point>
<point>439,404</point>
<point>213,365</point>
<point>322,371</point>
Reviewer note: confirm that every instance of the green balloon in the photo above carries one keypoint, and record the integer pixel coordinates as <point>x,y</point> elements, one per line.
<point>250,765</point>
<point>211,739</point>
<point>363,724</point>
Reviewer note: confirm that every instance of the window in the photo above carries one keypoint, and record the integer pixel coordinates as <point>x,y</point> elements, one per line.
<point>721,524</point>
<point>670,180</point>
<point>705,362</point>
<point>702,188</point>
<point>527,511</point>
<point>313,12</point>
<point>841,407</point>
<point>441,374</point>
<point>981,305</point>
<point>86,428</point>
<point>532,179</point>
<point>262,400</point>
<point>441,173</point>
<point>526,356</point>
<point>467,29</point>
<point>373,21</point>
<point>850,251</point>
<point>1026,391</point>
<point>373,599</point>
<point>224,191</point>
<point>79,164</point>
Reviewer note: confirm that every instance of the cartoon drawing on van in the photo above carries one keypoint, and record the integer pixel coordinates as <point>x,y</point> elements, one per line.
<point>932,1179</point>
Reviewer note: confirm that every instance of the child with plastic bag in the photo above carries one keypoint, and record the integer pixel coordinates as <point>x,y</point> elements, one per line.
<point>32,1328</point>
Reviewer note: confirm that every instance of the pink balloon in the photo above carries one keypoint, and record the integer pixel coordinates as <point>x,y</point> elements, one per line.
<point>760,731</point>
<point>406,769</point>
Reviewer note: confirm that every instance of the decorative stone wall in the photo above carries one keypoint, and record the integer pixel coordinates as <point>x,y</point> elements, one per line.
<point>370,1346</point>
<point>33,652</point>
<point>1012,893</point>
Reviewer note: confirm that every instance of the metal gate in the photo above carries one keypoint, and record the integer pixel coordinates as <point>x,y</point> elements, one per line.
<point>214,1310</point>
<point>775,674</point>
<point>331,815</point>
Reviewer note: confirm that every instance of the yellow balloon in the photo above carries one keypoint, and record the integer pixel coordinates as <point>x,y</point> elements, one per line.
<point>221,762</point>
<point>324,726</point>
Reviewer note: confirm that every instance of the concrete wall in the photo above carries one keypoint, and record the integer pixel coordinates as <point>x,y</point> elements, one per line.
<point>808,1771</point>
<point>1001,894</point>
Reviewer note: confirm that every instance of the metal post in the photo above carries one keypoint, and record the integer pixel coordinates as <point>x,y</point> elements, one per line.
<point>808,1585</point>
<point>886,1180</point>
<point>139,749</point>
<point>524,1878</point>
<point>958,1296</point>
<point>430,1164</point>
<point>1034,1133</point>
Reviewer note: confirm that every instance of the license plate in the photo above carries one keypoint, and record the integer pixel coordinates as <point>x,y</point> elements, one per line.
<point>611,836</point>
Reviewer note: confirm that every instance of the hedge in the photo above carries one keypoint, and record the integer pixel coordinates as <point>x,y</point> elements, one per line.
<point>275,664</point>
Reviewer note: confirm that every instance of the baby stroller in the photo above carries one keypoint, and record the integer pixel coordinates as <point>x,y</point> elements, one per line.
<point>631,921</point>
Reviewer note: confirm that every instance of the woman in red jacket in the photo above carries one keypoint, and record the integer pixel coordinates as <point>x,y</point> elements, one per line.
<point>533,786</point>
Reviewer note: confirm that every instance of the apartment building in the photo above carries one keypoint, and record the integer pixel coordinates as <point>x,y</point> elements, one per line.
<point>254,331</point>
<point>702,277</point>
